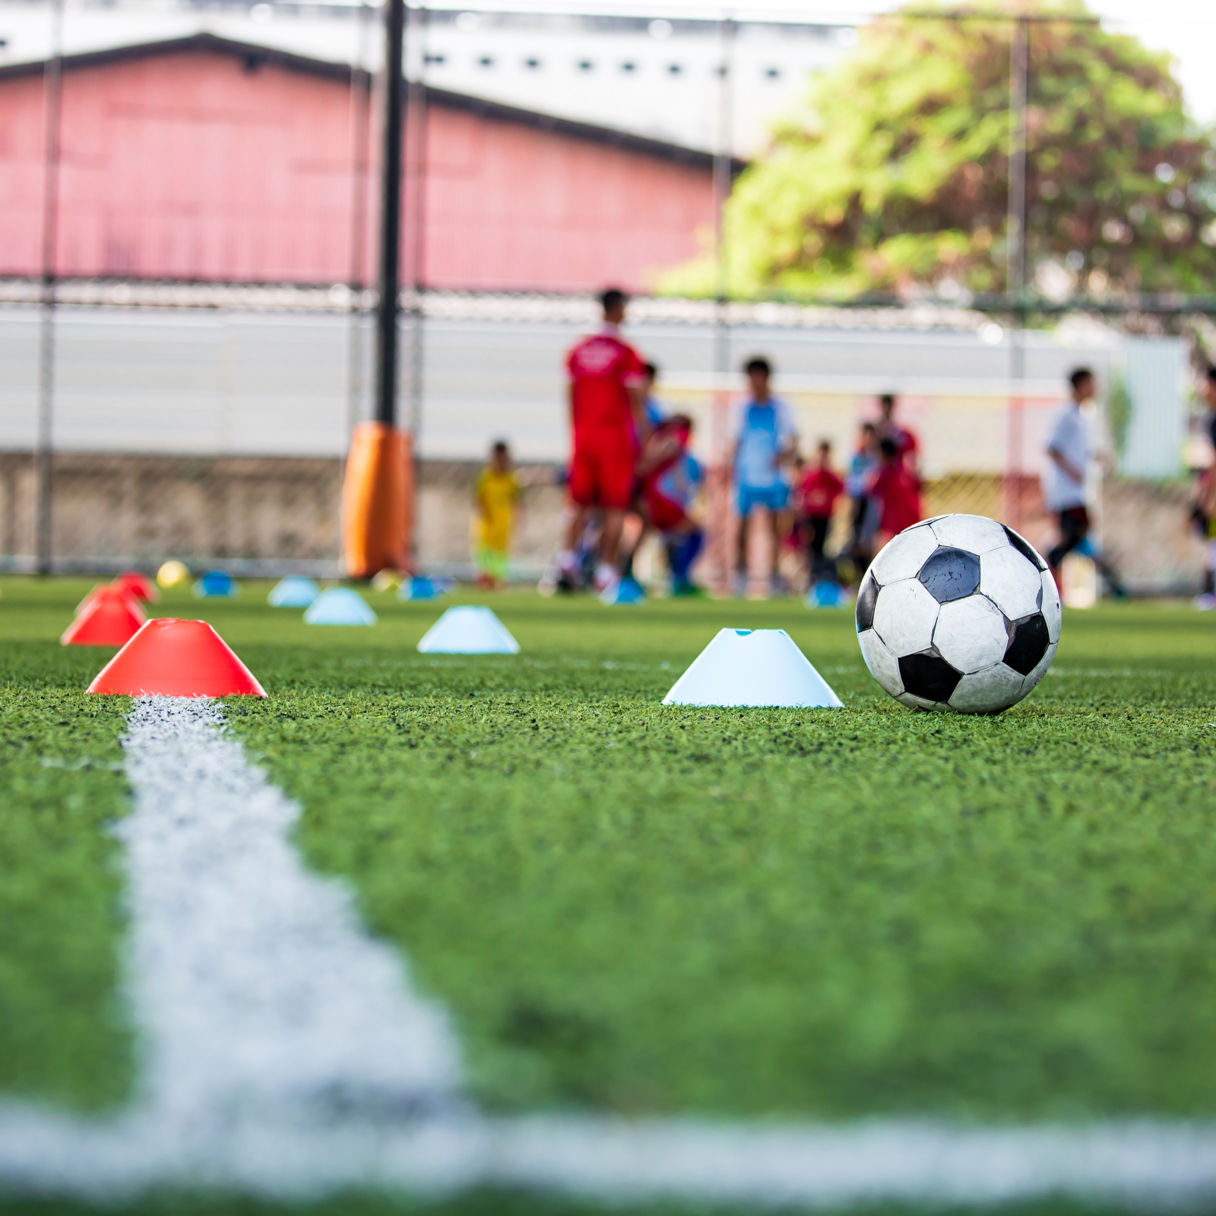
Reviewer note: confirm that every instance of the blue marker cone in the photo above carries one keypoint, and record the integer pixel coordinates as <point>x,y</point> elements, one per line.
<point>419,588</point>
<point>627,591</point>
<point>824,595</point>
<point>293,592</point>
<point>339,606</point>
<point>215,583</point>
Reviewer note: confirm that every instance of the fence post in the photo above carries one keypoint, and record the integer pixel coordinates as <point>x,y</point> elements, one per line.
<point>1015,275</point>
<point>44,450</point>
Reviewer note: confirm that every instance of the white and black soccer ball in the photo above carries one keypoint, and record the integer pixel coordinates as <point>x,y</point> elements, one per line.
<point>958,613</point>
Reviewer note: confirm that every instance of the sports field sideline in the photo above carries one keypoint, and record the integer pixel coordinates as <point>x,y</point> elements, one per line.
<point>625,911</point>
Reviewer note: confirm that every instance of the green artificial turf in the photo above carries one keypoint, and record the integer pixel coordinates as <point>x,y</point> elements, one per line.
<point>63,1035</point>
<point>641,909</point>
<point>644,909</point>
<point>482,1203</point>
<point>479,1203</point>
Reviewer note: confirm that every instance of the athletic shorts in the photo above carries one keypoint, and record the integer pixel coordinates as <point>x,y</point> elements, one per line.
<point>774,498</point>
<point>665,513</point>
<point>602,472</point>
<point>1074,523</point>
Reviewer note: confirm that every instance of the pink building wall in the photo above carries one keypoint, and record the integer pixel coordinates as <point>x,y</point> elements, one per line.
<point>195,165</point>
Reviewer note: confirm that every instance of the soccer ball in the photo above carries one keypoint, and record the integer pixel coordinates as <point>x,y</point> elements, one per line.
<point>958,612</point>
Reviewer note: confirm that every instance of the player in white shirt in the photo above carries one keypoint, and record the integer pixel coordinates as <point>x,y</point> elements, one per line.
<point>1070,452</point>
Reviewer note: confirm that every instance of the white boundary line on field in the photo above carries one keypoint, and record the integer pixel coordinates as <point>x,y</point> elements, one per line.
<point>284,1052</point>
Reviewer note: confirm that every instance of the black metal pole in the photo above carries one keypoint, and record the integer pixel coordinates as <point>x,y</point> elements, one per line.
<point>416,213</point>
<point>722,174</point>
<point>722,178</point>
<point>1019,90</point>
<point>43,471</point>
<point>1016,259</point>
<point>416,140</point>
<point>360,136</point>
<point>388,306</point>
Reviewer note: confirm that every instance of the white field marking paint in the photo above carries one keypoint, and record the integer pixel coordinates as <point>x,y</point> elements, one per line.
<point>285,1054</point>
<point>259,1001</point>
<point>251,979</point>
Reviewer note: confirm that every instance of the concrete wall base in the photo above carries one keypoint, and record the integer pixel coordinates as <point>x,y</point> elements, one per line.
<point>275,515</point>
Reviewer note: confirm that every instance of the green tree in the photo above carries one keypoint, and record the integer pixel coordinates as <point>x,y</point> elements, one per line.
<point>894,177</point>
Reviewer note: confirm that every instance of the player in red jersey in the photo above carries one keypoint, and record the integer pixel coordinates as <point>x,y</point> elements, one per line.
<point>815,497</point>
<point>896,490</point>
<point>607,424</point>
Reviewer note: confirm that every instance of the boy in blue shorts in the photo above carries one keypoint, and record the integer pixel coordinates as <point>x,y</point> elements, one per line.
<point>765,442</point>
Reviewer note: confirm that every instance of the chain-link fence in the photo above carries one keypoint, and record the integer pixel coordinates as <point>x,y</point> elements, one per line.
<point>189,231</point>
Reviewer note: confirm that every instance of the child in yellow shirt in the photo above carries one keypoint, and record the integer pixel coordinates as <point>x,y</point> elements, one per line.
<point>494,499</point>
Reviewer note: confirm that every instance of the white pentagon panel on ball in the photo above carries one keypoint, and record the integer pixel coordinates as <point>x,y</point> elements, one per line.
<point>988,691</point>
<point>903,555</point>
<point>1010,581</point>
<point>1040,669</point>
<point>883,665</point>
<point>976,533</point>
<point>1051,608</point>
<point>904,616</point>
<point>971,633</point>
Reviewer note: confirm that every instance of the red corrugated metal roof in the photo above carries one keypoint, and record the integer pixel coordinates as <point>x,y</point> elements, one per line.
<point>257,53</point>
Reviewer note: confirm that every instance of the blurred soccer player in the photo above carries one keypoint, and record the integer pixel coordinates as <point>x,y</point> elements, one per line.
<point>1203,511</point>
<point>494,499</point>
<point>1207,390</point>
<point>1203,514</point>
<point>888,427</point>
<point>669,477</point>
<point>1070,452</point>
<point>816,495</point>
<point>636,523</point>
<point>864,523</point>
<point>607,423</point>
<point>895,490</point>
<point>651,406</point>
<point>765,441</point>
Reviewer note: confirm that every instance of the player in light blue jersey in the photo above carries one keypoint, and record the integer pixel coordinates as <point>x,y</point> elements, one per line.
<point>765,443</point>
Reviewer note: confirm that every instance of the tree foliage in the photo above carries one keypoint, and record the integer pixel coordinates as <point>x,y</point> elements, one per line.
<point>894,177</point>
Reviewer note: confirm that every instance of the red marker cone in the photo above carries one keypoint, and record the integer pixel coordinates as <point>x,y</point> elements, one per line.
<point>137,586</point>
<point>172,658</point>
<point>106,618</point>
<point>107,589</point>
